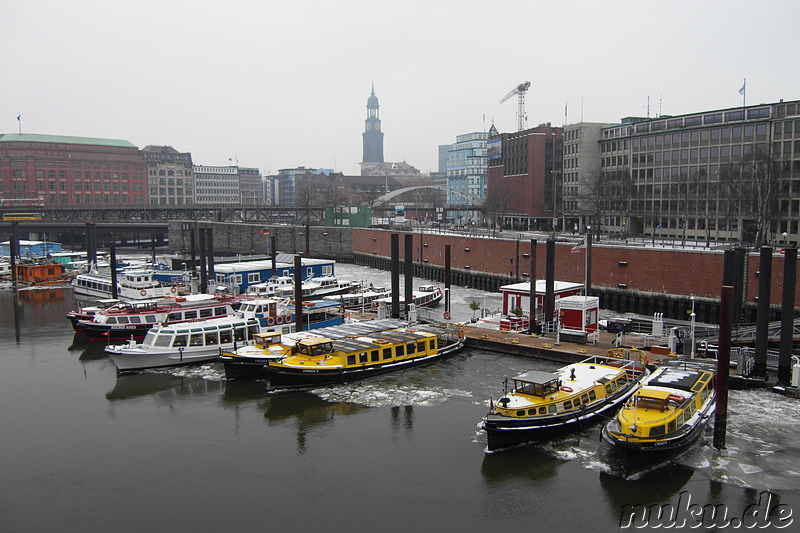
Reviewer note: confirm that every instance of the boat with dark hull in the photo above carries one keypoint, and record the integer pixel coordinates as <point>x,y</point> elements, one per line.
<point>323,357</point>
<point>663,419</point>
<point>134,319</point>
<point>543,404</point>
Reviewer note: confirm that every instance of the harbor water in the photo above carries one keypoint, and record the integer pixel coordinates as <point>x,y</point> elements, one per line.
<point>86,450</point>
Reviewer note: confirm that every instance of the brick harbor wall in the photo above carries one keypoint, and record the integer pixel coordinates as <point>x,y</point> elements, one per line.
<point>680,272</point>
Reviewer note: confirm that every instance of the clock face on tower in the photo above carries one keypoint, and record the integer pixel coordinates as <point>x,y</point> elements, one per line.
<point>369,125</point>
<point>378,126</point>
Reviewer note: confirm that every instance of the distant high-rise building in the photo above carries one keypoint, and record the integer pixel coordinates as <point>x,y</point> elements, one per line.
<point>466,167</point>
<point>373,136</point>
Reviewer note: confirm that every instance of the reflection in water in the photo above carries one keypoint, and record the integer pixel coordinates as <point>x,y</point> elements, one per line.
<point>660,488</point>
<point>87,351</point>
<point>403,418</point>
<point>165,387</point>
<point>530,462</point>
<point>309,412</point>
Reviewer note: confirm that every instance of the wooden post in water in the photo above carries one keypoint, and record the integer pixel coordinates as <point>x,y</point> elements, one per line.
<point>13,247</point>
<point>447,277</point>
<point>274,253</point>
<point>787,316</point>
<point>112,252</point>
<point>395,243</point>
<point>762,311</point>
<point>550,280</point>
<point>532,326</point>
<point>210,253</point>
<point>298,293</point>
<point>723,366</point>
<point>201,234</point>
<point>408,262</point>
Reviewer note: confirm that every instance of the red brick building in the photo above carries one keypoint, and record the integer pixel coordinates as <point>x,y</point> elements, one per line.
<point>72,171</point>
<point>524,167</point>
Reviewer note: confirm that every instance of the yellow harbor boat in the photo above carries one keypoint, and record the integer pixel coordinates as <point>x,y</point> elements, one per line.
<point>541,404</point>
<point>330,355</point>
<point>663,418</point>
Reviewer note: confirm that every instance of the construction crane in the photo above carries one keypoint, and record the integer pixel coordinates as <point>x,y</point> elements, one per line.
<point>520,91</point>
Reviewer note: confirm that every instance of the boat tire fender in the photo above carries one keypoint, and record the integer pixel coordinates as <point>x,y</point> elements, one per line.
<point>270,321</point>
<point>143,292</point>
<point>287,319</point>
<point>565,388</point>
<point>279,319</point>
<point>173,290</point>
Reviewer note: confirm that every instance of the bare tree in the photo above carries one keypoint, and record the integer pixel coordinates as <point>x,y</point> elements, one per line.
<point>752,190</point>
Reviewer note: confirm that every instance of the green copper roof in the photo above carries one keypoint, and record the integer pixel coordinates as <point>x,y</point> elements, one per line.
<point>63,139</point>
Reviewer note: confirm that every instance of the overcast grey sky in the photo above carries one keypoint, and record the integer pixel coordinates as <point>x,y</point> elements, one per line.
<point>280,84</point>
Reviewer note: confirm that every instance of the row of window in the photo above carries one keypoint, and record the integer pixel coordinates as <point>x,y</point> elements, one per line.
<point>385,354</point>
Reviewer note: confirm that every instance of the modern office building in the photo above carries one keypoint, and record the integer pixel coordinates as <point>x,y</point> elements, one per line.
<point>72,171</point>
<point>251,186</point>
<point>217,185</point>
<point>524,177</point>
<point>580,170</point>
<point>466,168</point>
<point>723,175</point>
<point>170,175</point>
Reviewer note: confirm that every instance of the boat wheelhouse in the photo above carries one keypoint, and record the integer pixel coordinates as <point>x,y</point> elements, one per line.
<point>542,404</point>
<point>425,296</point>
<point>317,359</point>
<point>131,285</point>
<point>135,318</point>
<point>664,418</point>
<point>360,299</point>
<point>185,343</point>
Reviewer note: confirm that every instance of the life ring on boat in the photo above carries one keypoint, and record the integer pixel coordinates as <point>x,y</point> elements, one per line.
<point>287,319</point>
<point>565,388</point>
<point>447,315</point>
<point>461,334</point>
<point>143,292</point>
<point>270,321</point>
<point>173,290</point>
<point>278,319</point>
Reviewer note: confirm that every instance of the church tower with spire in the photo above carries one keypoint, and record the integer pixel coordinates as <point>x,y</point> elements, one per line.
<point>373,136</point>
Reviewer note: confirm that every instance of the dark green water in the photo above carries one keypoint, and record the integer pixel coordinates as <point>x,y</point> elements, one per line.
<point>84,450</point>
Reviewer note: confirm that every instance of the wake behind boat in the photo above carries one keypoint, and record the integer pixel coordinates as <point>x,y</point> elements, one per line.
<point>541,404</point>
<point>664,418</point>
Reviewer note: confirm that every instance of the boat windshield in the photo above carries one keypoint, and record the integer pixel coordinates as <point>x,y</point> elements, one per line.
<point>647,402</point>
<point>537,389</point>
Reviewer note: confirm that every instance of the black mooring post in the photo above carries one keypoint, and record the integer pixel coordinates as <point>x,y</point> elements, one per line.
<point>298,293</point>
<point>201,237</point>
<point>550,280</point>
<point>112,252</point>
<point>395,273</point>
<point>787,316</point>
<point>274,253</point>
<point>210,254</point>
<point>532,326</point>
<point>447,278</point>
<point>762,311</point>
<point>408,265</point>
<point>723,366</point>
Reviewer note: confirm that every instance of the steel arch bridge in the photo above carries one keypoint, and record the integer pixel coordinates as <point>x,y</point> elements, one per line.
<point>470,198</point>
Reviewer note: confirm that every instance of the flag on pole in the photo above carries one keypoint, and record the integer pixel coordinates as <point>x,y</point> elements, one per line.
<point>579,247</point>
<point>744,84</point>
<point>19,118</point>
